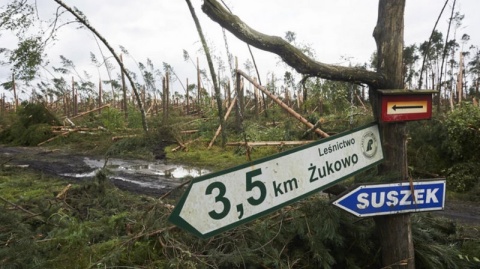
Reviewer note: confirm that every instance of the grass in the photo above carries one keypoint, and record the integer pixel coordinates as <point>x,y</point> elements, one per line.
<point>96,225</point>
<point>18,184</point>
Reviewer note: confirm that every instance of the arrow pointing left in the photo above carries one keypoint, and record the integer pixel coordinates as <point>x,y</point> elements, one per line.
<point>395,107</point>
<point>394,198</point>
<point>220,201</point>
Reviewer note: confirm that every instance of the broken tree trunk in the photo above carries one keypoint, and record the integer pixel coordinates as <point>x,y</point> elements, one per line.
<point>283,105</point>
<point>220,127</point>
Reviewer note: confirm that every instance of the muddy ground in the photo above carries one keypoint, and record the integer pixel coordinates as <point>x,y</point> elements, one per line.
<point>154,180</point>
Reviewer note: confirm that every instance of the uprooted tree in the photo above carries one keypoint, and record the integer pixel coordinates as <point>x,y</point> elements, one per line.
<point>394,230</point>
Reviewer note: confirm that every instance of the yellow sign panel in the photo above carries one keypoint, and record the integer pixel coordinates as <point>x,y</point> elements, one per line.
<point>406,107</point>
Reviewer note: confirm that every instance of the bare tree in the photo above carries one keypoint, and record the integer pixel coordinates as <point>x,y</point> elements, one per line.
<point>84,21</point>
<point>212,72</point>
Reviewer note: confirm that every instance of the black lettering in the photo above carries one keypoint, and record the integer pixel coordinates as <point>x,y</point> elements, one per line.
<point>339,167</point>
<point>329,168</point>
<point>354,158</point>
<point>277,189</point>
<point>289,184</point>
<point>324,172</point>
<point>313,168</point>
<point>346,162</point>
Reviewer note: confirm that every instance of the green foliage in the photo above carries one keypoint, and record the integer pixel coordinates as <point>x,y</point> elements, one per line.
<point>95,225</point>
<point>35,134</point>
<point>449,147</point>
<point>30,114</point>
<point>112,119</point>
<point>27,57</point>
<point>31,126</point>
<point>463,176</point>
<point>425,148</point>
<point>463,133</point>
<point>134,118</point>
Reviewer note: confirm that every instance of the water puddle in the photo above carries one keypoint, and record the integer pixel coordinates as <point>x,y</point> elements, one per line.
<point>144,174</point>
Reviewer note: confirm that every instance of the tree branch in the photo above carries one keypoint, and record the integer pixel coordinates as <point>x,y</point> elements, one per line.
<point>290,54</point>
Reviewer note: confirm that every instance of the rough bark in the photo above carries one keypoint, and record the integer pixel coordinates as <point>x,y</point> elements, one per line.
<point>290,54</point>
<point>394,230</point>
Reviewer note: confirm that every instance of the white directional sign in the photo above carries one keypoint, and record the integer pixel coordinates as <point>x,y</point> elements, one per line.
<point>220,201</point>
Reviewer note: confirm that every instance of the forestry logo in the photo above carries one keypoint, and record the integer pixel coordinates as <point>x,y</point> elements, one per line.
<point>369,144</point>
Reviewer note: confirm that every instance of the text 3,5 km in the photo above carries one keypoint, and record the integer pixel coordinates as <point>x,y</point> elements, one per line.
<point>251,185</point>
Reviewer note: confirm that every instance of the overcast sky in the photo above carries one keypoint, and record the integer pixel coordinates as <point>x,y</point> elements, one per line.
<point>338,31</point>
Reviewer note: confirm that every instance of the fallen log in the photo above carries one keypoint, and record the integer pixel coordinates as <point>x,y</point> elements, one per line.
<point>283,105</point>
<point>270,143</point>
<point>55,137</point>
<point>90,111</point>
<point>189,132</point>
<point>120,137</point>
<point>225,118</point>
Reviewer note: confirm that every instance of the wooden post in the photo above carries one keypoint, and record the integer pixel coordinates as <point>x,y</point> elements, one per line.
<point>15,97</point>
<point>238,115</point>
<point>74,98</point>
<point>155,103</point>
<point>124,88</point>
<point>167,95</point>
<point>144,95</point>
<point>229,92</point>
<point>394,231</point>
<point>100,95</point>
<point>164,90</point>
<point>460,79</point>
<point>188,99</point>
<point>199,84</point>
<point>3,104</point>
<point>256,99</point>
<point>65,105</point>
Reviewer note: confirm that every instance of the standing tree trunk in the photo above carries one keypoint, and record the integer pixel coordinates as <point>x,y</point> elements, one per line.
<point>394,230</point>
<point>212,72</point>
<point>124,90</point>
<point>15,97</point>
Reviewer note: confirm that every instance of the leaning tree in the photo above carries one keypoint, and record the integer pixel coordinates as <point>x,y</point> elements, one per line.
<point>394,230</point>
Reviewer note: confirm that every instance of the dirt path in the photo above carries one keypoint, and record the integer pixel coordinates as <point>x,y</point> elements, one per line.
<point>153,179</point>
<point>139,176</point>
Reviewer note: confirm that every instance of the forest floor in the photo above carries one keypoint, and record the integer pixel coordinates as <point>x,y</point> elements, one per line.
<point>70,166</point>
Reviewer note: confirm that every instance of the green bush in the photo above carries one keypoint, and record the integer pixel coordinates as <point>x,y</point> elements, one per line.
<point>31,126</point>
<point>448,147</point>
<point>463,133</point>
<point>462,177</point>
<point>112,118</point>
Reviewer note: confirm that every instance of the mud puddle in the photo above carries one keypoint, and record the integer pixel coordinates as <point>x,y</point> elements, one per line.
<point>146,177</point>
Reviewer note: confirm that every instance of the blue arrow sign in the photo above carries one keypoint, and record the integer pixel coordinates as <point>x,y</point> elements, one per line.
<point>385,199</point>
